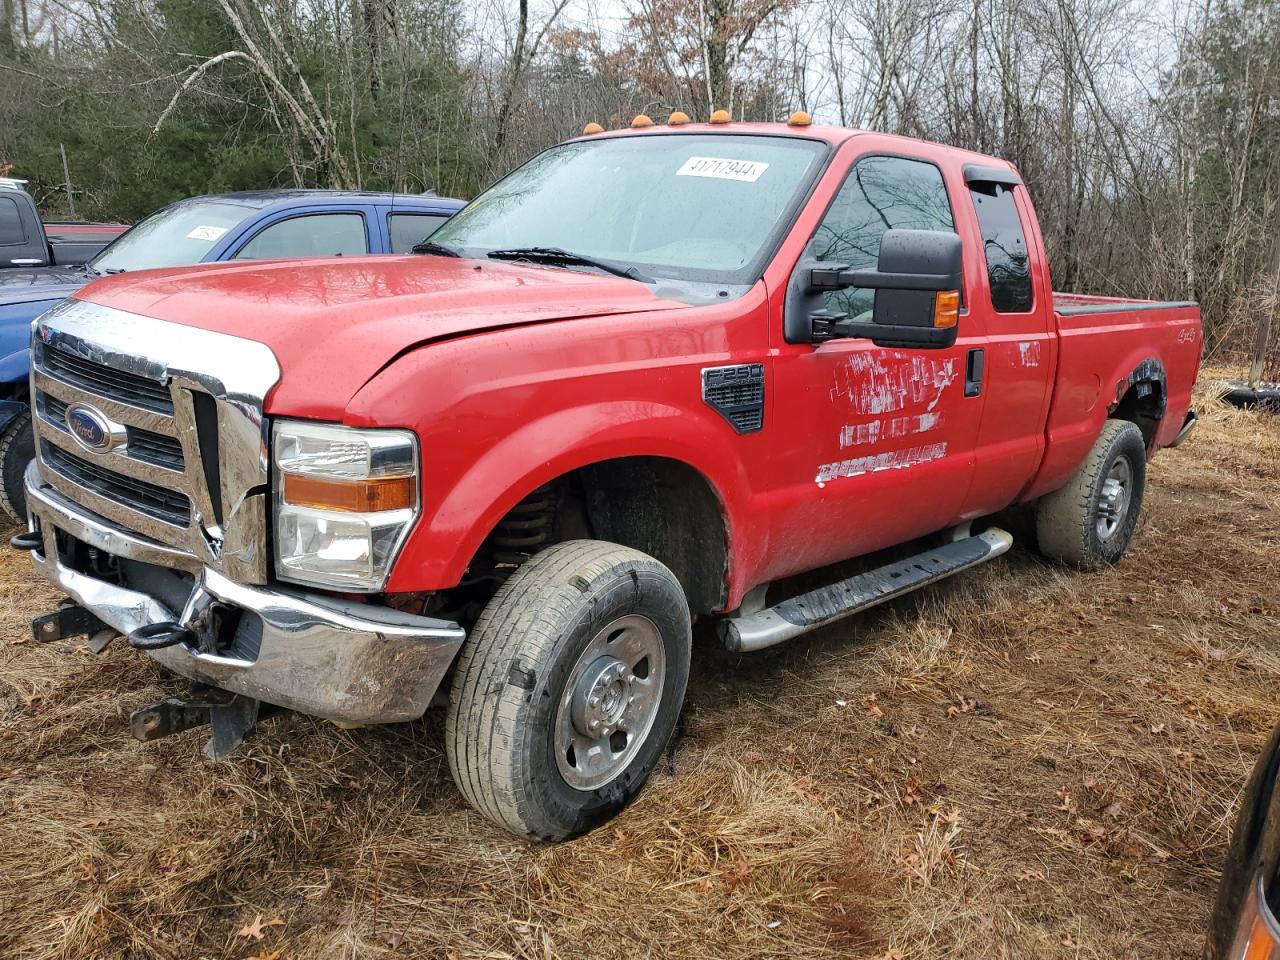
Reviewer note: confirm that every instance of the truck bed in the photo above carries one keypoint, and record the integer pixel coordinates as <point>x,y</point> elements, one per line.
<point>1104,346</point>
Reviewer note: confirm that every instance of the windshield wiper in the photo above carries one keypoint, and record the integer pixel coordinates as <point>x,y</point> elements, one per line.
<point>436,249</point>
<point>555,255</point>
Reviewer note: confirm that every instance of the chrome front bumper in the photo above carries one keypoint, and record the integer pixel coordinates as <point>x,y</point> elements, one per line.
<point>350,662</point>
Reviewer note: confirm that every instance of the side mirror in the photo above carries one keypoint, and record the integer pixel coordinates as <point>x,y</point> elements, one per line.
<point>917,284</point>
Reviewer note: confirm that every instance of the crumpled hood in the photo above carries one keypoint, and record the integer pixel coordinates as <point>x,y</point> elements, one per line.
<point>334,323</point>
<point>30,284</point>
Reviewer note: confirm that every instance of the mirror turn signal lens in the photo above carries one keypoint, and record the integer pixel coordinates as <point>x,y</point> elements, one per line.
<point>351,496</point>
<point>946,309</point>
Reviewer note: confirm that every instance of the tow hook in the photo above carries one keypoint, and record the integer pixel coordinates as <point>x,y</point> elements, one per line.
<point>231,716</point>
<point>27,540</point>
<point>157,636</point>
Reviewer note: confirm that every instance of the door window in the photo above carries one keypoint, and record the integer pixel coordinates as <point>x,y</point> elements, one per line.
<point>315,235</point>
<point>1004,246</point>
<point>11,231</point>
<point>880,193</point>
<point>409,229</point>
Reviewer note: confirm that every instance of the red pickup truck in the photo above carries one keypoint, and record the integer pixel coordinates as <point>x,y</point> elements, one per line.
<point>641,379</point>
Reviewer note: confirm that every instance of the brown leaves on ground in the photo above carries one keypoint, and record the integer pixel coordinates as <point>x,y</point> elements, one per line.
<point>255,929</point>
<point>1025,761</point>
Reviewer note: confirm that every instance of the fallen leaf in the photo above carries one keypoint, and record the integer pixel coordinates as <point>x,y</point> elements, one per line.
<point>1046,704</point>
<point>1112,809</point>
<point>255,929</point>
<point>1033,875</point>
<point>1157,728</point>
<point>965,706</point>
<point>95,822</point>
<point>394,940</point>
<point>19,642</point>
<point>872,710</point>
<point>1069,941</point>
<point>273,955</point>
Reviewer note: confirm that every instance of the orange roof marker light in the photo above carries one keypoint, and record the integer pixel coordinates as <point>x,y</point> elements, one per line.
<point>799,119</point>
<point>719,116</point>
<point>592,128</point>
<point>642,121</point>
<point>677,119</point>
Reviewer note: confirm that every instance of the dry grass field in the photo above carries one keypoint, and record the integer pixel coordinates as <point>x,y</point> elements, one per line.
<point>1025,762</point>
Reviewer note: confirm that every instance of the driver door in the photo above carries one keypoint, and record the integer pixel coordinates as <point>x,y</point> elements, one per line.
<point>880,442</point>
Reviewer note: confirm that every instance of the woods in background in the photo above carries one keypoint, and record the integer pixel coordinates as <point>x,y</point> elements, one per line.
<point>1149,138</point>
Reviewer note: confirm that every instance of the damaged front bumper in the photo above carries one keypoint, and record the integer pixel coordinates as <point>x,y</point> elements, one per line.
<point>349,662</point>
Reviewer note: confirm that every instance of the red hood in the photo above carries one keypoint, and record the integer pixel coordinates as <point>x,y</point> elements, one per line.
<point>334,323</point>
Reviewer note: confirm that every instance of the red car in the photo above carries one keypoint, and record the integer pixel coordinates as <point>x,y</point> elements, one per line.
<point>636,382</point>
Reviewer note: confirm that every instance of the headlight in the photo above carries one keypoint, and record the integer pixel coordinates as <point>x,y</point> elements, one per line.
<point>344,501</point>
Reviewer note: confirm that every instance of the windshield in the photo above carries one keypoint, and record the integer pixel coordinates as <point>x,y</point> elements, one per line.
<point>173,237</point>
<point>684,206</point>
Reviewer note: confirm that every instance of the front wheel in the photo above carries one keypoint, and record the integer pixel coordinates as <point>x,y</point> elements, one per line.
<point>568,689</point>
<point>17,448</point>
<point>1089,522</point>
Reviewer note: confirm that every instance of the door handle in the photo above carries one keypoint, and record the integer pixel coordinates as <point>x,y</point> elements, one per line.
<point>973,370</point>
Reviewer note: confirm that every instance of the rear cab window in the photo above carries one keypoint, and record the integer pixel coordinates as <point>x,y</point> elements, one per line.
<point>1004,246</point>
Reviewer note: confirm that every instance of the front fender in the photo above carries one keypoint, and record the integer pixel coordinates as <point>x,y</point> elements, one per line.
<point>468,507</point>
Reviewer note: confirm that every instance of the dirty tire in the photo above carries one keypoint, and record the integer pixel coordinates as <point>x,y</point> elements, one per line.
<point>17,448</point>
<point>513,675</point>
<point>1067,520</point>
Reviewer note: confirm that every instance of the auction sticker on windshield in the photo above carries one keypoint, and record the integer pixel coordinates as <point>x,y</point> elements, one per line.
<point>748,171</point>
<point>210,234</point>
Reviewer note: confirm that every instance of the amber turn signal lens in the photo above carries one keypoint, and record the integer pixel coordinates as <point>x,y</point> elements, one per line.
<point>1262,945</point>
<point>592,128</point>
<point>946,308</point>
<point>719,116</point>
<point>351,496</point>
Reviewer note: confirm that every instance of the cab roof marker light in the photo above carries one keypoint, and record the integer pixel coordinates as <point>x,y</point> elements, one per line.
<point>591,129</point>
<point>719,116</point>
<point>677,119</point>
<point>799,119</point>
<point>641,120</point>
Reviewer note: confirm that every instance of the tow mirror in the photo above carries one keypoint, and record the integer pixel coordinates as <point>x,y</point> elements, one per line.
<point>917,284</point>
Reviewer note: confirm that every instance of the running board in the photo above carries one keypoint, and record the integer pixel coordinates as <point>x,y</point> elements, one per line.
<point>815,609</point>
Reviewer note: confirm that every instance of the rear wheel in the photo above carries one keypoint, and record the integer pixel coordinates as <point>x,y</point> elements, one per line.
<point>569,688</point>
<point>1089,522</point>
<point>17,448</point>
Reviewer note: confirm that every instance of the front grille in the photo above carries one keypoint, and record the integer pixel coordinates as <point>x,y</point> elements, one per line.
<point>130,388</point>
<point>147,498</point>
<point>144,445</point>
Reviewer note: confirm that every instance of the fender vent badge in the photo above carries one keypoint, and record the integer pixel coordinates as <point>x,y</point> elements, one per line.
<point>737,394</point>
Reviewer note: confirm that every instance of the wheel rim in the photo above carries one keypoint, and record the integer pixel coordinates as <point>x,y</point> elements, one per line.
<point>1114,498</point>
<point>609,702</point>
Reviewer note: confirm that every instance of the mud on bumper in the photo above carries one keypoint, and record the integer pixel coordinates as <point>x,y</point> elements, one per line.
<point>350,662</point>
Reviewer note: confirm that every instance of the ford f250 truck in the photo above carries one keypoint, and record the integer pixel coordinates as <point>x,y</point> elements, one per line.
<point>636,382</point>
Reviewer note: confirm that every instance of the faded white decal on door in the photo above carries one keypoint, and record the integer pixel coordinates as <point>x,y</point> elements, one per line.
<point>890,381</point>
<point>1029,353</point>
<point>890,428</point>
<point>872,463</point>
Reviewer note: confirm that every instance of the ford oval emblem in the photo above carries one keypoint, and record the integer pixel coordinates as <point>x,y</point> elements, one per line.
<point>92,429</point>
